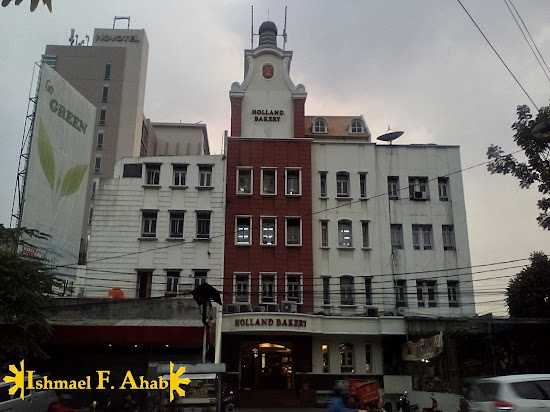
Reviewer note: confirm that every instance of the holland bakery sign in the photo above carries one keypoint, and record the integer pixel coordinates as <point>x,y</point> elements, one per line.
<point>271,322</point>
<point>266,115</point>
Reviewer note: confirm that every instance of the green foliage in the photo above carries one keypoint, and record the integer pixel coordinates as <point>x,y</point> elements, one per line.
<point>536,148</point>
<point>25,284</point>
<point>34,3</point>
<point>528,294</point>
<point>45,154</point>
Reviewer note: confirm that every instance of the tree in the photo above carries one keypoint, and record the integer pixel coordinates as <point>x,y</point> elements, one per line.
<point>528,294</point>
<point>25,284</point>
<point>533,137</point>
<point>34,3</point>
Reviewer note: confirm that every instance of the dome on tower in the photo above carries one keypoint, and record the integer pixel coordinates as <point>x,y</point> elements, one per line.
<point>268,34</point>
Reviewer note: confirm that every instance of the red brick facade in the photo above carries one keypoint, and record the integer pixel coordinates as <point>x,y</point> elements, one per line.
<point>299,119</point>
<point>236,115</point>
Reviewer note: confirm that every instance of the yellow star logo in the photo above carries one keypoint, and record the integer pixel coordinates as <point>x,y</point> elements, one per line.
<point>18,379</point>
<point>175,381</point>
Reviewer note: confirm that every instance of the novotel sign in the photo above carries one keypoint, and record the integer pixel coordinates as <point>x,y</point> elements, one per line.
<point>277,322</point>
<point>117,38</point>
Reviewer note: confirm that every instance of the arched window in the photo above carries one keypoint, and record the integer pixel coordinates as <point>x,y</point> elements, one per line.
<point>346,290</point>
<point>344,233</point>
<point>320,126</point>
<point>356,127</point>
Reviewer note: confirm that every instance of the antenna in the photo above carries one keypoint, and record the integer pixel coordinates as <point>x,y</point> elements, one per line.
<point>252,29</point>
<point>284,31</point>
<point>121,18</point>
<point>71,39</point>
<point>389,136</point>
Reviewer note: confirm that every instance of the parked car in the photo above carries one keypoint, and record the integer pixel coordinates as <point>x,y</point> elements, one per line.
<point>34,400</point>
<point>512,393</point>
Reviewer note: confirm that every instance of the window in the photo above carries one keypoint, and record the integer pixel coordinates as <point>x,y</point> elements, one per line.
<point>244,181</point>
<point>293,186</point>
<point>90,215</point>
<point>94,186</point>
<point>363,185</point>
<point>443,187</point>
<point>172,280</point>
<point>393,187</point>
<point>418,188</point>
<point>269,181</point>
<point>396,236</point>
<point>97,164</point>
<point>268,229</point>
<point>243,229</point>
<point>344,234</point>
<point>346,290</point>
<point>368,291</point>
<point>326,358</point>
<point>326,290</point>
<point>452,293</point>
<point>323,184</point>
<point>448,237</point>
<point>368,358</point>
<point>342,184</point>
<point>105,93</point>
<point>132,170</point>
<point>293,231</point>
<point>319,126</point>
<point>346,358</point>
<point>425,293</point>
<point>102,116</point>
<point>203,225</point>
<point>99,142</point>
<point>422,237</point>
<point>152,174</point>
<point>149,224</point>
<point>144,281</point>
<point>356,127</point>
<point>107,75</point>
<point>176,224</point>
<point>365,233</point>
<point>294,288</point>
<point>268,288</point>
<point>324,233</point>
<point>242,294</point>
<point>400,293</point>
<point>200,277</point>
<point>179,175</point>
<point>205,175</point>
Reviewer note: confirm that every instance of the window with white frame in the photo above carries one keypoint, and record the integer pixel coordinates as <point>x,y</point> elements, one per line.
<point>347,363</point>
<point>269,288</point>
<point>102,116</point>
<point>326,357</point>
<point>176,223</point>
<point>97,164</point>
<point>342,184</point>
<point>396,231</point>
<point>368,291</point>
<point>243,230</point>
<point>356,126</point>
<point>152,174</point>
<point>452,293</point>
<point>422,237</point>
<point>293,231</point>
<point>268,230</point>
<point>365,234</point>
<point>448,237</point>
<point>347,290</point>
<point>326,290</point>
<point>400,293</point>
<point>443,188</point>
<point>107,73</point>
<point>293,181</point>
<point>172,281</point>
<point>244,181</point>
<point>368,358</point>
<point>149,223</point>
<point>324,233</point>
<point>203,224</point>
<point>393,187</point>
<point>205,175</point>
<point>269,181</point>
<point>425,293</point>
<point>105,93</point>
<point>363,185</point>
<point>320,126</point>
<point>323,184</point>
<point>242,287</point>
<point>418,188</point>
<point>200,277</point>
<point>294,287</point>
<point>344,234</point>
<point>179,177</point>
<point>99,141</point>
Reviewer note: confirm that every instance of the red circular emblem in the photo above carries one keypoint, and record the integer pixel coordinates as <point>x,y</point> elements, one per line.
<point>267,71</point>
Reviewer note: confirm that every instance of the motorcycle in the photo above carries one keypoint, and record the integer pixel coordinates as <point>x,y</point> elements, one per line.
<point>434,406</point>
<point>227,402</point>
<point>404,405</point>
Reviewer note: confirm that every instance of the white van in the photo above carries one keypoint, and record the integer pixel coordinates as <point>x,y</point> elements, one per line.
<point>36,400</point>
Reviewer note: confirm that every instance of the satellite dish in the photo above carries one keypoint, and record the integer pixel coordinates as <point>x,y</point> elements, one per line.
<point>389,137</point>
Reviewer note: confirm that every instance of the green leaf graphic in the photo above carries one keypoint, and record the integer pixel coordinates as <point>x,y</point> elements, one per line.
<point>45,153</point>
<point>73,179</point>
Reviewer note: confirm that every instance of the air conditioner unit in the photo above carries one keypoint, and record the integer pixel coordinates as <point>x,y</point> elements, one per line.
<point>372,311</point>
<point>421,195</point>
<point>232,308</point>
<point>271,307</point>
<point>244,307</point>
<point>259,308</point>
<point>289,307</point>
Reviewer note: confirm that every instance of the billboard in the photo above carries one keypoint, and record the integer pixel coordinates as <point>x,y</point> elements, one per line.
<point>57,171</point>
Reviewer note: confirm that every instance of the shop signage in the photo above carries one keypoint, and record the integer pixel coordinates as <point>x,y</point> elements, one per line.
<point>262,115</point>
<point>277,322</point>
<point>119,38</point>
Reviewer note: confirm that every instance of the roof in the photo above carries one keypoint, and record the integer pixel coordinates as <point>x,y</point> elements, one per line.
<point>337,126</point>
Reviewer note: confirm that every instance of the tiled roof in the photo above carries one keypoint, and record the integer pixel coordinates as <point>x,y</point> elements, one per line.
<point>337,126</point>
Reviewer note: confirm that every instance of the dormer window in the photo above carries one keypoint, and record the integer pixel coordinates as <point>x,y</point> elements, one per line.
<point>356,127</point>
<point>320,126</point>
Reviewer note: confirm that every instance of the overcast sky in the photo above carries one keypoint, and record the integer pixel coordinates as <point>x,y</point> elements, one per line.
<point>419,66</point>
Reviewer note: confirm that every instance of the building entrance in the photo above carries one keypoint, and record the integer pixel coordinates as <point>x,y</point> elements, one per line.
<point>267,366</point>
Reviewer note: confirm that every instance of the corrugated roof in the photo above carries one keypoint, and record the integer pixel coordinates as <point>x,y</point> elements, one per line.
<point>129,322</point>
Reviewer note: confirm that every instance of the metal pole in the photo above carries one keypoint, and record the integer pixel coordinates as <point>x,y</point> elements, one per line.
<point>205,321</point>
